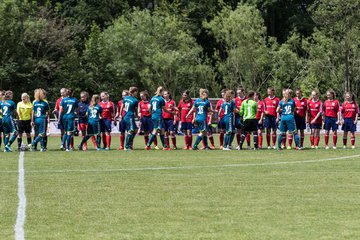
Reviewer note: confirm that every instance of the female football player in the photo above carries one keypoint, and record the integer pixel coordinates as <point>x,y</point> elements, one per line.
<point>157,106</point>
<point>228,108</point>
<point>184,107</point>
<point>201,108</point>
<point>169,119</point>
<point>39,115</point>
<point>8,108</point>
<point>350,113</point>
<point>287,122</point>
<point>108,114</point>
<point>121,124</point>
<point>24,109</point>
<point>68,110</point>
<point>332,117</point>
<point>130,105</point>
<point>83,120</point>
<point>93,130</point>
<point>259,117</point>
<point>315,118</point>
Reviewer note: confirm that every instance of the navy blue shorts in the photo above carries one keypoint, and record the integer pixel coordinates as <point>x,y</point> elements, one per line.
<point>146,124</point>
<point>349,125</point>
<point>330,123</point>
<point>221,124</point>
<point>122,126</point>
<point>260,126</point>
<point>315,126</point>
<point>300,123</point>
<point>169,124</point>
<point>105,125</point>
<point>270,122</point>
<point>186,126</point>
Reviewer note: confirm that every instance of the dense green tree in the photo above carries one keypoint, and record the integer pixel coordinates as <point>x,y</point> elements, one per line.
<point>149,50</point>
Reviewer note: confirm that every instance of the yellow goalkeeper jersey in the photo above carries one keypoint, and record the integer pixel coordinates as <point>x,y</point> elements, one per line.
<point>24,110</point>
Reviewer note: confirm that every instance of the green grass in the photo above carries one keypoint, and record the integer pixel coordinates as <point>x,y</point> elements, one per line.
<point>206,195</point>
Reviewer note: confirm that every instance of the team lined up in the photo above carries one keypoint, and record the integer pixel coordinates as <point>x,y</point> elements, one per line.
<point>238,116</point>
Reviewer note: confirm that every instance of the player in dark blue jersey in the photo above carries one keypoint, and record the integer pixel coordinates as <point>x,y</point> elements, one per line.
<point>201,108</point>
<point>68,111</point>
<point>83,120</point>
<point>8,109</point>
<point>130,106</point>
<point>39,115</point>
<point>93,114</point>
<point>157,106</point>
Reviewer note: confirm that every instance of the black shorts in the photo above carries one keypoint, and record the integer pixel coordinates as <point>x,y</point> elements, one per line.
<point>24,126</point>
<point>250,125</point>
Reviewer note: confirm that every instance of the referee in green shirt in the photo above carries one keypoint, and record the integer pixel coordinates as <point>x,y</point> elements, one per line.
<point>248,111</point>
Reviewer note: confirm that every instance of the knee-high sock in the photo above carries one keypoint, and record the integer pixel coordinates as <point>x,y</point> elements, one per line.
<point>345,140</point>
<point>334,139</point>
<point>108,141</point>
<point>280,138</point>
<point>84,140</point>
<point>260,140</point>
<point>312,140</point>
<point>297,140</point>
<point>243,136</point>
<point>12,139</point>
<point>173,139</point>
<point>197,141</point>
<point>326,138</point>
<point>238,138</point>
<point>227,140</point>
<point>45,139</point>
<point>302,138</point>
<point>290,139</point>
<point>122,140</point>
<point>162,139</point>
<point>103,136</point>
<point>221,138</point>
<point>352,139</point>
<point>151,139</point>
<point>19,140</point>
<point>248,139</point>
<point>268,138</point>
<point>256,140</point>
<point>317,140</point>
<point>93,139</point>
<point>274,138</point>
<point>211,139</point>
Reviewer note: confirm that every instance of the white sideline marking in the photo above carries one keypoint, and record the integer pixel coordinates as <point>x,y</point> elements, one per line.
<point>20,219</point>
<point>187,167</point>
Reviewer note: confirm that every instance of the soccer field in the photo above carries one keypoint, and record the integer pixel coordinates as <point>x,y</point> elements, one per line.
<point>266,194</point>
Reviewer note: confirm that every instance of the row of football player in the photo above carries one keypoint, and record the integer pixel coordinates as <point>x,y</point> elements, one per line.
<point>164,115</point>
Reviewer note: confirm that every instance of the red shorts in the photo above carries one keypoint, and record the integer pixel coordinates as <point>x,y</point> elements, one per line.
<point>82,126</point>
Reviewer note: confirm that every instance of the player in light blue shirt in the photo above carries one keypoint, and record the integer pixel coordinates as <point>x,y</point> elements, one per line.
<point>201,108</point>
<point>287,122</point>
<point>68,111</point>
<point>228,108</point>
<point>130,105</point>
<point>156,107</point>
<point>39,117</point>
<point>8,108</point>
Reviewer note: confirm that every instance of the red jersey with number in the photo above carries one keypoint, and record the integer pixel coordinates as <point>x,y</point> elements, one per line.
<point>331,108</point>
<point>169,105</point>
<point>349,110</point>
<point>108,109</point>
<point>144,108</point>
<point>301,106</point>
<point>184,108</point>
<point>260,109</point>
<point>271,105</point>
<point>315,107</point>
<point>119,107</point>
<point>218,107</point>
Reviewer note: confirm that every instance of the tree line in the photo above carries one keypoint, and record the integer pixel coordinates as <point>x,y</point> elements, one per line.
<point>179,44</point>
